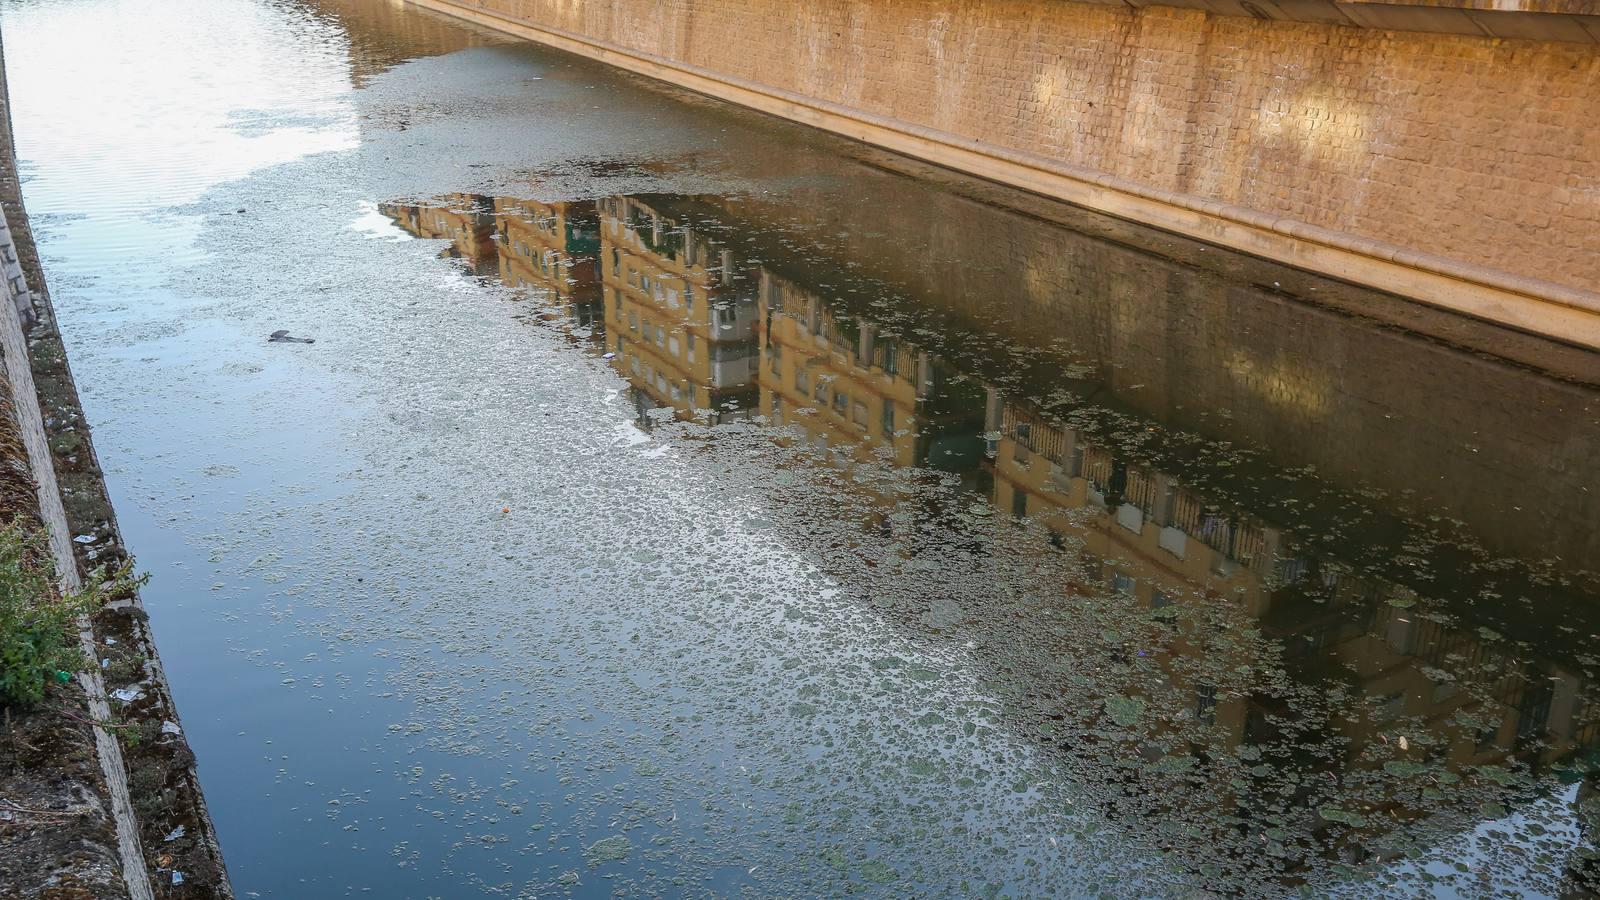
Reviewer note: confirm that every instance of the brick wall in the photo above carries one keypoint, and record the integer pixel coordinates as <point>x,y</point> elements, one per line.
<point>1475,149</point>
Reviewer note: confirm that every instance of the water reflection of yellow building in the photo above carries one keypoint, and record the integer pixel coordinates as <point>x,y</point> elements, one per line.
<point>842,382</point>
<point>835,383</point>
<point>465,220</point>
<point>680,315</point>
<point>551,249</point>
<point>1464,696</point>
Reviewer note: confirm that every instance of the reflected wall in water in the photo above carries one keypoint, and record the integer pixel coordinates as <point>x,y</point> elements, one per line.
<point>1220,349</point>
<point>381,35</point>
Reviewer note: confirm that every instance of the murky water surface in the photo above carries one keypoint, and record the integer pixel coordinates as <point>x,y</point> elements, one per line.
<point>674,501</point>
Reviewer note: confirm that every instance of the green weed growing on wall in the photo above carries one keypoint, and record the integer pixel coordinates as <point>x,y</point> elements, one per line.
<point>38,623</point>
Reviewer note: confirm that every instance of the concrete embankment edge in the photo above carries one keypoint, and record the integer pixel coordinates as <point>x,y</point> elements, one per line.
<point>1553,310</point>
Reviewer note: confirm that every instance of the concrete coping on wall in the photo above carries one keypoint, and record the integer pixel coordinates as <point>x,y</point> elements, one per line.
<point>1547,308</point>
<point>1573,21</point>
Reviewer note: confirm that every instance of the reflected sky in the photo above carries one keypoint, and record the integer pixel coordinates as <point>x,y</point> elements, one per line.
<point>677,501</point>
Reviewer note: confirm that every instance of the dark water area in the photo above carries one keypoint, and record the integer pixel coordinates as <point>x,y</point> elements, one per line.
<point>676,501</point>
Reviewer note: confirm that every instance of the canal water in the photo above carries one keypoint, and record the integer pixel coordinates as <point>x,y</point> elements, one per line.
<point>673,501</point>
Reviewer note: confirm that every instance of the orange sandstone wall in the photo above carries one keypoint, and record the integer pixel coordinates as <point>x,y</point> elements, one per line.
<point>1475,149</point>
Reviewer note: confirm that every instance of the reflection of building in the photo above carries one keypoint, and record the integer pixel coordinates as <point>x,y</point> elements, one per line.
<point>551,248</point>
<point>840,382</point>
<point>1463,697</point>
<point>1298,641</point>
<point>679,313</point>
<point>1143,537</point>
<point>465,220</point>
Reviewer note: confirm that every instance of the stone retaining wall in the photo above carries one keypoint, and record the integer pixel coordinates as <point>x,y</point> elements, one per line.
<point>1464,171</point>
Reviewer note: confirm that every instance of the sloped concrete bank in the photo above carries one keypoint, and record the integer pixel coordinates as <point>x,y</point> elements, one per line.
<point>1454,169</point>
<point>128,819</point>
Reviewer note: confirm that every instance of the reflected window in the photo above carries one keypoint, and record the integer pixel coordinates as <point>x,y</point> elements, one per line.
<point>1533,711</point>
<point>1205,703</point>
<point>888,417</point>
<point>802,381</point>
<point>690,339</point>
<point>633,322</point>
<point>1122,584</point>
<point>688,297</point>
<point>1019,503</point>
<point>1159,599</point>
<point>616,261</point>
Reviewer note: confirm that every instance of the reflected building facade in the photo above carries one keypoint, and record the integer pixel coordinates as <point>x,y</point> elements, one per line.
<point>1424,690</point>
<point>843,382</point>
<point>551,250</point>
<point>680,313</point>
<point>467,221</point>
